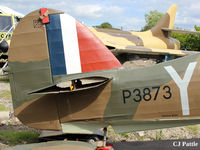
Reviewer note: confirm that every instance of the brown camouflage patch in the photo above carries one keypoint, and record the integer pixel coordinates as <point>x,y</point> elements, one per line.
<point>40,113</point>
<point>112,31</point>
<point>171,108</point>
<point>32,32</point>
<point>123,34</point>
<point>83,105</point>
<point>48,111</point>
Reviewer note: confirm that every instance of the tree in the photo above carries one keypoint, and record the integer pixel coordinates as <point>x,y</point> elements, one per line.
<point>106,25</point>
<point>152,19</point>
<point>188,41</point>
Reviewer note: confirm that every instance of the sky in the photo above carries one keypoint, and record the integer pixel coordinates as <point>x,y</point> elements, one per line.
<point>128,14</point>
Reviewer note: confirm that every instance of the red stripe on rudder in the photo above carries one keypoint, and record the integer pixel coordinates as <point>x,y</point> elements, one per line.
<point>94,55</point>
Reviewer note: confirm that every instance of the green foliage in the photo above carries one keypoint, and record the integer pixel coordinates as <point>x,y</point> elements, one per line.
<point>21,137</point>
<point>152,19</point>
<point>197,28</point>
<point>140,138</point>
<point>125,135</point>
<point>159,135</point>
<point>4,79</point>
<point>3,108</point>
<point>194,129</point>
<point>106,25</point>
<point>188,41</point>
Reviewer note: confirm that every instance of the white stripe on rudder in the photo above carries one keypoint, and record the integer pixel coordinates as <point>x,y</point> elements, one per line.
<point>70,43</point>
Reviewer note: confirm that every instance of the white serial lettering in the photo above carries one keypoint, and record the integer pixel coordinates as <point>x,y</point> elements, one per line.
<point>183,84</point>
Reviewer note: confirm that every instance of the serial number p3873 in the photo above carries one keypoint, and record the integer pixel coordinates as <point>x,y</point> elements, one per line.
<point>145,94</point>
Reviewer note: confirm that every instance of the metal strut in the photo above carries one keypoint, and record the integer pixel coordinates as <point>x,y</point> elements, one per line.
<point>104,136</point>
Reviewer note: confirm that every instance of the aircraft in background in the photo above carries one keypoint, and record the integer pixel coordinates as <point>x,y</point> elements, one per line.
<point>8,20</point>
<point>156,41</point>
<point>64,79</point>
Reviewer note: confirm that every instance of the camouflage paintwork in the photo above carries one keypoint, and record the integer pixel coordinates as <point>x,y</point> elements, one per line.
<point>156,41</point>
<point>61,145</point>
<point>126,99</point>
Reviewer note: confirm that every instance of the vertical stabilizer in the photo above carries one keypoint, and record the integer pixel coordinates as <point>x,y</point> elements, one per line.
<point>41,53</point>
<point>166,22</point>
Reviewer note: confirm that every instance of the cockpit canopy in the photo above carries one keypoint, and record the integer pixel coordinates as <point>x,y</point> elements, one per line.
<point>5,23</point>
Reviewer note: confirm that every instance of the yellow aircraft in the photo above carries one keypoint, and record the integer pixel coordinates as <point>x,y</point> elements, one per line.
<point>156,41</point>
<point>8,20</point>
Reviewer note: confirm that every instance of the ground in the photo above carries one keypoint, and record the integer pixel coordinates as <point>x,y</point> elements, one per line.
<point>13,124</point>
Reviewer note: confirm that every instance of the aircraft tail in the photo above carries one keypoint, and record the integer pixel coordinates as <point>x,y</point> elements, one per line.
<point>43,55</point>
<point>166,22</point>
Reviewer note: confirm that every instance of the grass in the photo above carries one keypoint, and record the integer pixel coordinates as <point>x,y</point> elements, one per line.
<point>125,135</point>
<point>4,79</point>
<point>5,94</point>
<point>140,138</point>
<point>3,108</point>
<point>194,129</point>
<point>159,135</point>
<point>21,137</point>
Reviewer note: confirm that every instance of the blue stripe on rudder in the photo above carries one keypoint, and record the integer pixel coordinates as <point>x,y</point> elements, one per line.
<point>55,44</point>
